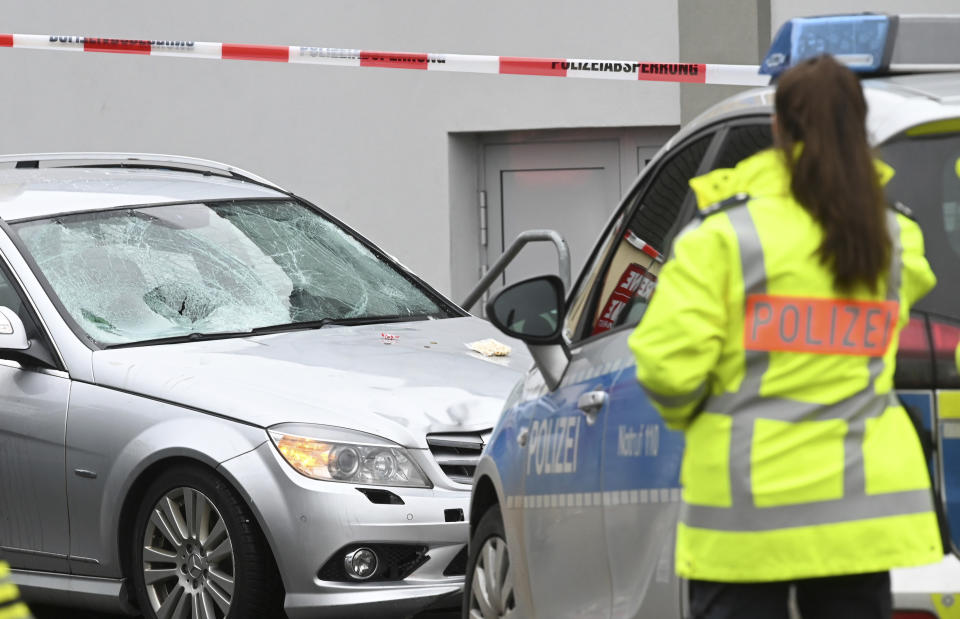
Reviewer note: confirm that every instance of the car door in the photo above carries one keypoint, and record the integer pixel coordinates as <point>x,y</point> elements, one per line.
<point>563,516</point>
<point>641,457</point>
<point>34,533</point>
<point>564,541</point>
<point>564,537</point>
<point>927,179</point>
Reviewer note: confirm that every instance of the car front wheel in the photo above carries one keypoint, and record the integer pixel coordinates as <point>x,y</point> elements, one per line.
<point>198,553</point>
<point>489,589</point>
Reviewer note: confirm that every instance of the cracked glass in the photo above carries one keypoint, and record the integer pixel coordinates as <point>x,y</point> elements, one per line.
<point>147,273</point>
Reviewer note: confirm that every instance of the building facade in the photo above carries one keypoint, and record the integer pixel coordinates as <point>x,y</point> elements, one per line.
<point>440,169</point>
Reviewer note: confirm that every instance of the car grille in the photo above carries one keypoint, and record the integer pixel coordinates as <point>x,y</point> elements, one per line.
<point>457,453</point>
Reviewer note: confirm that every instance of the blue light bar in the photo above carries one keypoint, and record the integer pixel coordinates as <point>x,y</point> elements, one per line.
<point>858,41</point>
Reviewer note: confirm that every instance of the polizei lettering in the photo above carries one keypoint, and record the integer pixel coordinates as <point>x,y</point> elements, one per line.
<point>120,42</point>
<point>172,44</point>
<point>669,68</point>
<point>609,67</point>
<point>819,325</point>
<point>554,445</point>
<point>644,68</point>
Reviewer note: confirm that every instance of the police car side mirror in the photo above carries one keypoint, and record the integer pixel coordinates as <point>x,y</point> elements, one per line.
<point>533,311</point>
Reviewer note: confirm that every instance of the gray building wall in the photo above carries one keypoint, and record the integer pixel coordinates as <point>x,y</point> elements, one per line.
<point>393,153</point>
<point>370,145</point>
<point>729,32</point>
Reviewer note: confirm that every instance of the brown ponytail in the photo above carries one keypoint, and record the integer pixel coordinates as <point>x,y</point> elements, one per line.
<point>820,103</point>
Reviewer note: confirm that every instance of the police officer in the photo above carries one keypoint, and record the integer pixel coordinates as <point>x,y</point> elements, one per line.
<point>771,342</point>
<point>10,605</point>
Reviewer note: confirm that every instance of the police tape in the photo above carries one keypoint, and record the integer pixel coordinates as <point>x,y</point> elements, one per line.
<point>678,72</point>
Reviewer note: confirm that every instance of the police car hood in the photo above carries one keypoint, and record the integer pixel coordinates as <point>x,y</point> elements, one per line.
<point>399,381</point>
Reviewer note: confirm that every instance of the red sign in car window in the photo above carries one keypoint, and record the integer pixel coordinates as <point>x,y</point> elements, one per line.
<point>635,281</point>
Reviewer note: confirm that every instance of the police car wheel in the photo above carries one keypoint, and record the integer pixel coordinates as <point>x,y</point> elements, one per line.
<point>489,590</point>
<point>197,552</point>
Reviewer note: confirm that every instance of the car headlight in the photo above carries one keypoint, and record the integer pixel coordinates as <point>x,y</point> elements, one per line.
<point>335,454</point>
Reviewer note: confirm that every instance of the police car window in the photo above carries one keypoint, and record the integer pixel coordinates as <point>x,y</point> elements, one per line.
<point>741,142</point>
<point>927,180</point>
<point>620,295</point>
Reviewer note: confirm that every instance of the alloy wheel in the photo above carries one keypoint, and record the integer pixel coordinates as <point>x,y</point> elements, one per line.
<point>188,565</point>
<point>491,590</point>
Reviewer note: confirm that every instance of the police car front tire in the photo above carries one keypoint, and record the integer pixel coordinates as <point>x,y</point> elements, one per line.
<point>489,589</point>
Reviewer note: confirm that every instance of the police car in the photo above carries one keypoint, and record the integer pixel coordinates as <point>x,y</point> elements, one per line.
<point>576,496</point>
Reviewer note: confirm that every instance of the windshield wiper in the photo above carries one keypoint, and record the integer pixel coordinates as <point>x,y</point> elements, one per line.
<point>179,339</point>
<point>291,326</point>
<point>340,322</point>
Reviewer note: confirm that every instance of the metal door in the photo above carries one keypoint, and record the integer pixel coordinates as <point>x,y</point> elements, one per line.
<point>568,186</point>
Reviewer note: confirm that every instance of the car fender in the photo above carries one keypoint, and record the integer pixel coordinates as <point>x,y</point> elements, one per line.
<point>143,432</point>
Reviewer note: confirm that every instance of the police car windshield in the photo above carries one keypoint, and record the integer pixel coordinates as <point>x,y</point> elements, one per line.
<point>927,179</point>
<point>168,271</point>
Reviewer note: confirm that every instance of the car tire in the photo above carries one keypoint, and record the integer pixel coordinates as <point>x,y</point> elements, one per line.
<point>488,592</point>
<point>198,553</point>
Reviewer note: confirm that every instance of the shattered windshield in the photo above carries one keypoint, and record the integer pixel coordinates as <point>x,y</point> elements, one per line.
<point>155,272</point>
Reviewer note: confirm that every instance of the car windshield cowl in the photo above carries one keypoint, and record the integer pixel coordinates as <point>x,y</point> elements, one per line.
<point>282,328</point>
<point>207,270</point>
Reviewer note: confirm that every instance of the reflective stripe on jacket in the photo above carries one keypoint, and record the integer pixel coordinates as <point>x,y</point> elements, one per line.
<point>799,460</point>
<point>10,605</point>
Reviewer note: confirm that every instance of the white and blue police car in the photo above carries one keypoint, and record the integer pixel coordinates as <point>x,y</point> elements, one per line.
<point>576,495</point>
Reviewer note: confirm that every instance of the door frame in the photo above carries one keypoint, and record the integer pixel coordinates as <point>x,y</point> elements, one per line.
<point>631,140</point>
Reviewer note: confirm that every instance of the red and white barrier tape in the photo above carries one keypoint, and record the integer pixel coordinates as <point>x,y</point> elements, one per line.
<point>642,245</point>
<point>684,72</point>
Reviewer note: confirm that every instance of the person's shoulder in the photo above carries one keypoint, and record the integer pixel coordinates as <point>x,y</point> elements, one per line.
<point>902,209</point>
<point>734,201</point>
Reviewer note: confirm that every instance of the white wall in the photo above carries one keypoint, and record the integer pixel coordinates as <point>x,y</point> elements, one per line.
<point>370,145</point>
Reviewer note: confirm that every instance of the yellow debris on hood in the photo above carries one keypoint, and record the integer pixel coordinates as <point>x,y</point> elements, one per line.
<point>489,348</point>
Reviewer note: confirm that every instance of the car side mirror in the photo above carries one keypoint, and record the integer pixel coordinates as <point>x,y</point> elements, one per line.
<point>13,335</point>
<point>533,311</point>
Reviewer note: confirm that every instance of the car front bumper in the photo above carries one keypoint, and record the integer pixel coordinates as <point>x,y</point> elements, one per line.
<point>308,522</point>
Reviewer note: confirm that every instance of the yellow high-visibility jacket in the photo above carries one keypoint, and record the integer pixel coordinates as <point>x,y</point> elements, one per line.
<point>799,461</point>
<point>10,605</point>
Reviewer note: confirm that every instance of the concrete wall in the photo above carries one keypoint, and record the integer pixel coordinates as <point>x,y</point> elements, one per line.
<point>394,153</point>
<point>729,32</point>
<point>370,145</point>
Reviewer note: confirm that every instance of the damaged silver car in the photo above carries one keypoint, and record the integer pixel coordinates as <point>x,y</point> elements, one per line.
<point>217,400</point>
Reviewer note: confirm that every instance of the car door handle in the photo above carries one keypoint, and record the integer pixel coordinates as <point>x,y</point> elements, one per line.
<point>522,436</point>
<point>591,402</point>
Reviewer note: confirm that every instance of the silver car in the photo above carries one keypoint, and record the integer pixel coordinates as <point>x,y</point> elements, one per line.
<point>217,400</point>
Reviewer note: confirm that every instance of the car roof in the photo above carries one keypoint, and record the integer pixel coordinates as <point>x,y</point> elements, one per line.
<point>895,104</point>
<point>42,192</point>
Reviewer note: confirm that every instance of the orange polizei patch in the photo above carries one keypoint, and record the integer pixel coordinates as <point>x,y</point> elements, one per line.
<point>819,326</point>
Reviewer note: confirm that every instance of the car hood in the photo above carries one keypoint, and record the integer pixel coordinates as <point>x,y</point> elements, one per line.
<point>399,380</point>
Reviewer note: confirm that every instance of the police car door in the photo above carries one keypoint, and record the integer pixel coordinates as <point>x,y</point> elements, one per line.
<point>641,458</point>
<point>563,539</point>
<point>927,161</point>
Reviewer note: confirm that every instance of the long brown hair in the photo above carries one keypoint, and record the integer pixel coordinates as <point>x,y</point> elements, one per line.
<point>820,104</point>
